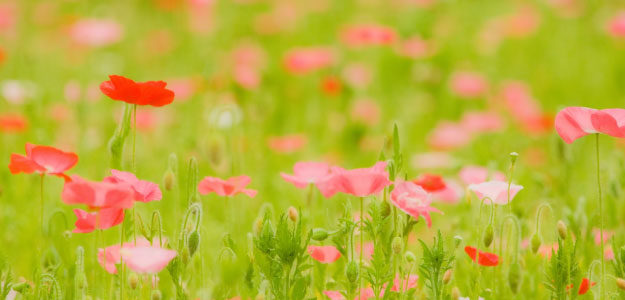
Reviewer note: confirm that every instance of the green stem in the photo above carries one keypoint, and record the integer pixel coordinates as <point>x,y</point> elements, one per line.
<point>600,218</point>
<point>121,261</point>
<point>41,208</point>
<point>134,137</point>
<point>362,243</point>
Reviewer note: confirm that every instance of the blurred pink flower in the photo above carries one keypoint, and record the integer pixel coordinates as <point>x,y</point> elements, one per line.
<point>365,111</point>
<point>357,75</point>
<point>415,47</point>
<point>144,191</point>
<point>607,235</point>
<point>431,160</point>
<point>307,172</point>
<point>524,108</point>
<point>305,60</point>
<point>481,121</point>
<point>229,187</point>
<point>146,259</point>
<point>183,88</point>
<point>468,85</point>
<point>451,194</point>
<point>287,143</point>
<point>495,191</point>
<point>324,254</point>
<point>448,136</point>
<point>12,123</point>
<point>476,174</point>
<point>96,32</point>
<point>616,25</point>
<point>359,35</point>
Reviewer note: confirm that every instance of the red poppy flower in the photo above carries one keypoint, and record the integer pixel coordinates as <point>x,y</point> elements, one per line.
<point>485,259</point>
<point>12,123</point>
<point>43,160</point>
<point>430,182</point>
<point>141,93</point>
<point>583,287</point>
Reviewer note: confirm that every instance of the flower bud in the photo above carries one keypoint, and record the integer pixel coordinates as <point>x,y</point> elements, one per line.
<point>293,214</point>
<point>386,209</point>
<point>156,295</point>
<point>169,180</point>
<point>622,253</point>
<point>535,242</point>
<point>620,283</point>
<point>562,230</point>
<point>133,280</point>
<point>410,257</point>
<point>184,255</point>
<point>351,271</point>
<point>447,276</point>
<point>513,157</point>
<point>258,225</point>
<point>514,277</point>
<point>457,240</point>
<point>455,293</point>
<point>319,234</point>
<point>21,287</point>
<point>488,235</point>
<point>67,234</point>
<point>396,245</point>
<point>193,242</point>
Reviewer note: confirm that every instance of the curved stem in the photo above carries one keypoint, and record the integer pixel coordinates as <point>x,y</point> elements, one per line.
<point>600,218</point>
<point>538,214</point>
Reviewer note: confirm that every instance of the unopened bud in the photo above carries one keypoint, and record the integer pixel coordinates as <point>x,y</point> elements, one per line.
<point>447,276</point>
<point>185,255</point>
<point>562,230</point>
<point>410,257</point>
<point>293,215</point>
<point>319,234</point>
<point>396,245</point>
<point>193,242</point>
<point>21,287</point>
<point>457,240</point>
<point>133,280</point>
<point>514,277</point>
<point>620,282</point>
<point>169,180</point>
<point>535,242</point>
<point>258,225</point>
<point>455,293</point>
<point>386,209</point>
<point>488,235</point>
<point>67,234</point>
<point>156,295</point>
<point>351,271</point>
<point>513,157</point>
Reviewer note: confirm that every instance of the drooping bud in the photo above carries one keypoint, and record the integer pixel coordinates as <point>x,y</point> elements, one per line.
<point>133,280</point>
<point>514,277</point>
<point>488,235</point>
<point>447,276</point>
<point>620,283</point>
<point>410,257</point>
<point>319,234</point>
<point>351,271</point>
<point>293,214</point>
<point>535,242</point>
<point>455,293</point>
<point>562,230</point>
<point>193,242</point>
<point>396,245</point>
<point>156,295</point>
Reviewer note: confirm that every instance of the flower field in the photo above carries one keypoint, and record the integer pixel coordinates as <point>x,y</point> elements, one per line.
<point>329,149</point>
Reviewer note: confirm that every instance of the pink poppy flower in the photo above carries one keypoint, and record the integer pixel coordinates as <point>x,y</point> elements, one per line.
<point>146,259</point>
<point>432,160</point>
<point>415,48</point>
<point>307,172</point>
<point>365,111</point>
<point>288,143</point>
<point>305,60</point>
<point>359,182</point>
<point>96,32</point>
<point>404,284</point>
<point>357,75</point>
<point>368,246</point>
<point>324,254</point>
<point>468,85</point>
<point>575,122</point>
<point>451,194</point>
<point>524,108</point>
<point>616,25</point>
<point>479,122</point>
<point>334,295</point>
<point>608,253</point>
<point>145,191</point>
<point>449,136</point>
<point>607,235</point>
<point>110,256</point>
<point>228,187</point>
<point>101,219</point>
<point>97,195</point>
<point>368,35</point>
<point>476,174</point>
<point>43,160</point>
<point>547,249</point>
<point>495,191</point>
<point>413,200</point>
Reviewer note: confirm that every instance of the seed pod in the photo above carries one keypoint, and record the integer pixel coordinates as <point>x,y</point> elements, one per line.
<point>156,295</point>
<point>193,242</point>
<point>455,293</point>
<point>351,271</point>
<point>293,214</point>
<point>447,276</point>
<point>133,280</point>
<point>396,245</point>
<point>319,234</point>
<point>562,230</point>
<point>535,242</point>
<point>620,283</point>
<point>488,235</point>
<point>410,257</point>
<point>514,277</point>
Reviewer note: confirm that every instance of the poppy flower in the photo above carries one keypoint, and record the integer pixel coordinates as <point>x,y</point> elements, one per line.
<point>476,174</point>
<point>331,86</point>
<point>404,284</point>
<point>495,191</point>
<point>287,143</point>
<point>228,187</point>
<point>485,259</point>
<point>451,194</point>
<point>306,60</point>
<point>140,93</point>
<point>43,160</point>
<point>146,259</point>
<point>324,254</point>
<point>101,219</point>
<point>97,195</point>
<point>616,25</point>
<point>365,111</point>
<point>524,108</point>
<point>607,235</point>
<point>307,172</point>
<point>584,286</point>
<point>12,123</point>
<point>468,85</point>
<point>430,182</point>
<point>575,122</point>
<point>481,122</point>
<point>449,136</point>
<point>413,200</point>
<point>110,256</point>
<point>145,191</point>
<point>368,35</point>
<point>358,182</point>
<point>334,295</point>
<point>96,32</point>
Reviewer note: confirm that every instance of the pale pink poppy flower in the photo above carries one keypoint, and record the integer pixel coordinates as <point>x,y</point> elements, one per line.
<point>72,91</point>
<point>415,47</point>
<point>448,136</point>
<point>96,32</point>
<point>95,194</point>
<point>324,254</point>
<point>522,23</point>
<point>360,35</point>
<point>608,253</point>
<point>307,172</point>
<point>183,88</point>
<point>484,121</point>
<point>146,259</point>
<point>305,60</point>
<point>229,187</point>
<point>287,143</point>
<point>432,160</point>
<point>8,16</point>
<point>146,120</point>
<point>360,182</point>
<point>607,235</point>
<point>369,248</point>
<point>495,191</point>
<point>575,122</point>
<point>404,284</point>
<point>476,174</point>
<point>616,25</point>
<point>451,194</point>
<point>413,200</point>
<point>334,295</point>
<point>357,75</point>
<point>524,108</point>
<point>546,250</point>
<point>248,59</point>
<point>365,111</point>
<point>110,256</point>
<point>145,191</point>
<point>201,15</point>
<point>468,85</point>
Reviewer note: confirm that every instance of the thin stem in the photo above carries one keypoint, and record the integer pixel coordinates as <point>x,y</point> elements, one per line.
<point>42,204</point>
<point>600,218</point>
<point>134,137</point>
<point>362,243</point>
<point>121,262</point>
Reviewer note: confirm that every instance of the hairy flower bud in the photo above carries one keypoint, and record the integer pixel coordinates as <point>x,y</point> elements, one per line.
<point>535,242</point>
<point>410,257</point>
<point>455,293</point>
<point>386,209</point>
<point>562,230</point>
<point>133,280</point>
<point>514,277</point>
<point>156,295</point>
<point>447,276</point>
<point>396,245</point>
<point>168,180</point>
<point>293,214</point>
<point>488,235</point>
<point>351,271</point>
<point>319,234</point>
<point>193,242</point>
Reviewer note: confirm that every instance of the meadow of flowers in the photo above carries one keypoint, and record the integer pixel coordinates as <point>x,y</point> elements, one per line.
<point>327,149</point>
